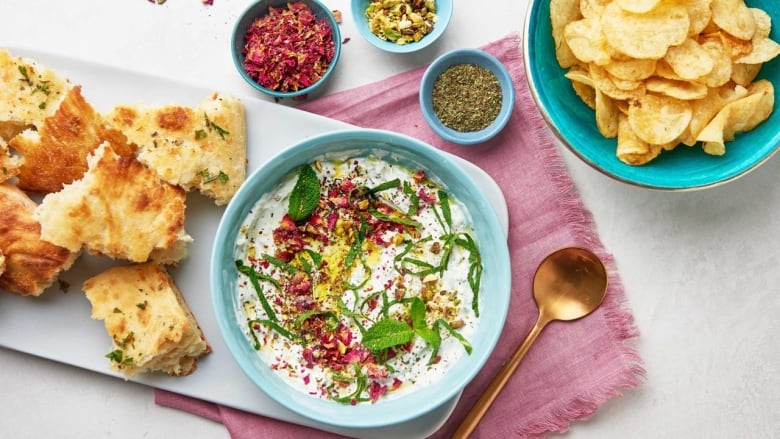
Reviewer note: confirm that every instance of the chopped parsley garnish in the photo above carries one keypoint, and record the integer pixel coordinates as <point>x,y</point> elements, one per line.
<point>213,126</point>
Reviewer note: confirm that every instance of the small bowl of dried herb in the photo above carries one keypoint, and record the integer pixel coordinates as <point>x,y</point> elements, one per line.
<point>401,26</point>
<point>286,48</point>
<point>467,96</point>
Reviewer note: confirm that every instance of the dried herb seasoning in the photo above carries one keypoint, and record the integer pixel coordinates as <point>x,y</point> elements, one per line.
<point>467,97</point>
<point>289,49</point>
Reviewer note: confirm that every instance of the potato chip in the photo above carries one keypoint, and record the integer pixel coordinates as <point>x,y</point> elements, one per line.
<point>699,13</point>
<point>582,85</point>
<point>631,69</point>
<point>734,17</point>
<point>606,115</point>
<point>630,148</point>
<point>658,119</point>
<point>763,50</point>
<point>733,45</point>
<point>593,8</point>
<point>646,35</point>
<point>658,73</point>
<point>586,40</point>
<point>738,116</point>
<point>763,23</point>
<point>563,12</point>
<point>637,6</point>
<point>685,90</point>
<point>703,110</point>
<point>689,60</point>
<point>744,74</point>
<point>586,93</point>
<point>604,82</point>
<point>722,65</point>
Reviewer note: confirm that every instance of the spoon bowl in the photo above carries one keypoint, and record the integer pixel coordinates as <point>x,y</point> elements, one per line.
<point>569,284</point>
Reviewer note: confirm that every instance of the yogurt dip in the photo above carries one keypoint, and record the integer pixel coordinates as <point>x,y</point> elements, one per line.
<point>358,279</point>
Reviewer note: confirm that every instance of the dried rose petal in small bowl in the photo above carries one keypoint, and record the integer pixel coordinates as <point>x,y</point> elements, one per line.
<point>286,48</point>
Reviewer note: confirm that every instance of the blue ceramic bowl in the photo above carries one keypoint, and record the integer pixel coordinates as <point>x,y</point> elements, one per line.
<point>259,9</point>
<point>443,14</point>
<point>495,289</point>
<point>681,169</point>
<point>466,56</point>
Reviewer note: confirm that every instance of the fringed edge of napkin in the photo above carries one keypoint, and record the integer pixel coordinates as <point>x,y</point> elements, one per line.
<point>619,318</point>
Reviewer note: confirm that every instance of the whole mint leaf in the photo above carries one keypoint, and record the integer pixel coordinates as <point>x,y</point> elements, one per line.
<point>386,334</point>
<point>305,195</point>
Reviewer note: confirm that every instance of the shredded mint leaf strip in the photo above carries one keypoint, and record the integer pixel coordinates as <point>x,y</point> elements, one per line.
<point>414,199</point>
<point>314,312</point>
<point>357,246</point>
<point>250,272</point>
<point>276,262</point>
<point>273,325</point>
<point>361,383</point>
<point>393,219</point>
<point>387,333</point>
<point>444,200</point>
<point>384,186</point>
<point>443,323</point>
<point>305,195</point>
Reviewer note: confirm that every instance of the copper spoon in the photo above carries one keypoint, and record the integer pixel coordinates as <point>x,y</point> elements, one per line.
<point>569,284</point>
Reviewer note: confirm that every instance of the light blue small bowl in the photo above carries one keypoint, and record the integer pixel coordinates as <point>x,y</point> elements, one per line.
<point>683,168</point>
<point>494,294</point>
<point>443,15</point>
<point>466,56</point>
<point>259,9</point>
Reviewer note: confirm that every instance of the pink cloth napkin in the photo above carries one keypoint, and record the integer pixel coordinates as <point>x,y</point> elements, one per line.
<point>573,367</point>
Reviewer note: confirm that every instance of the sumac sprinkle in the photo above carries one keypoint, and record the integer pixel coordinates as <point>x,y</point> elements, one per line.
<point>288,49</point>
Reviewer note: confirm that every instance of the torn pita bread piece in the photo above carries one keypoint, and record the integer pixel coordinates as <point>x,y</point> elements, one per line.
<point>31,264</point>
<point>201,148</point>
<point>119,209</point>
<point>29,93</point>
<point>9,164</point>
<point>148,320</point>
<point>56,154</point>
<point>2,263</point>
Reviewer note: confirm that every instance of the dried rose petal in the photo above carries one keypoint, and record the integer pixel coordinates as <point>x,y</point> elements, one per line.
<point>288,49</point>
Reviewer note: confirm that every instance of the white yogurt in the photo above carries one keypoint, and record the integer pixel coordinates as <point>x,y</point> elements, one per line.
<point>321,309</point>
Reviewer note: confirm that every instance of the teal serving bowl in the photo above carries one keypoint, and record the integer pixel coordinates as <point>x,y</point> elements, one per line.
<point>466,56</point>
<point>684,168</point>
<point>494,296</point>
<point>259,9</point>
<point>443,16</point>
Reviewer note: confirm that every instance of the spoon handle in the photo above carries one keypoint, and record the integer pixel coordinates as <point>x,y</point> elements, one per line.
<point>484,402</point>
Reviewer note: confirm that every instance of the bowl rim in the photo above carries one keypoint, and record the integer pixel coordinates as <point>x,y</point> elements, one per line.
<point>466,56</point>
<point>387,412</point>
<point>238,58</point>
<point>531,80</point>
<point>360,21</point>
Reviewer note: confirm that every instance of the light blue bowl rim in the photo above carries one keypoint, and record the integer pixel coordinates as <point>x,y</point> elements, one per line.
<point>239,34</point>
<point>495,290</point>
<point>679,173</point>
<point>443,14</point>
<point>466,56</point>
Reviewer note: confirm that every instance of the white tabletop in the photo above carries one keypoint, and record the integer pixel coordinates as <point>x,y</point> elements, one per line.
<point>701,270</point>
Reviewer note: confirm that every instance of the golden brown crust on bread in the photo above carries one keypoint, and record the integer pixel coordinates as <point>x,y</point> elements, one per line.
<point>119,209</point>
<point>56,154</point>
<point>9,164</point>
<point>29,93</point>
<point>201,148</point>
<point>150,324</point>
<point>31,264</point>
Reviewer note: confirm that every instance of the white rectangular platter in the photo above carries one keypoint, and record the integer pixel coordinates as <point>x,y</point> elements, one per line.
<point>57,325</point>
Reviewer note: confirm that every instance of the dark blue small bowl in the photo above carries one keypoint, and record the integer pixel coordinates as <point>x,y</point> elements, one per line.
<point>259,9</point>
<point>467,56</point>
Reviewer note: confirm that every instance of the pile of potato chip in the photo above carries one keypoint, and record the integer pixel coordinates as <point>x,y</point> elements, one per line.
<point>660,72</point>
